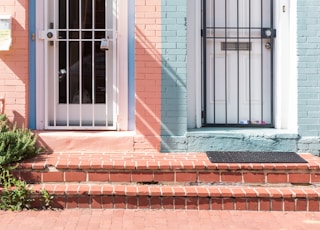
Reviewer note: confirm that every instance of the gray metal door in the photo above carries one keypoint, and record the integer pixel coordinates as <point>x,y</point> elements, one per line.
<point>238,62</point>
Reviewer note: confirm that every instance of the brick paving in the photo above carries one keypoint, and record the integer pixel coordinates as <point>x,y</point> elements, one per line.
<point>157,220</point>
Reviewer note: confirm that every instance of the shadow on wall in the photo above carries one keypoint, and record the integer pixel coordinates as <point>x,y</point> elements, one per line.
<point>15,67</point>
<point>174,101</point>
<point>16,120</point>
<point>148,90</point>
<point>161,97</point>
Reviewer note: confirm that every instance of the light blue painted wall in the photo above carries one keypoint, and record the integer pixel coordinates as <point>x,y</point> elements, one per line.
<point>174,67</point>
<point>309,67</point>
<point>308,50</point>
<point>176,137</point>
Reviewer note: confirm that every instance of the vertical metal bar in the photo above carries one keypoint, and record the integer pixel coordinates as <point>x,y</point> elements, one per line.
<point>214,60</point>
<point>106,64</point>
<point>46,71</point>
<point>250,85</point>
<point>55,73</point>
<point>80,62</point>
<point>93,63</point>
<point>68,60</point>
<point>226,63</point>
<point>238,66</point>
<point>204,56</point>
<point>114,62</point>
<point>272,59</point>
<point>262,59</point>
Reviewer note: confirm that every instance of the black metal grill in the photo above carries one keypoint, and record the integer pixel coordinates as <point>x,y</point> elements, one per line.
<point>238,45</point>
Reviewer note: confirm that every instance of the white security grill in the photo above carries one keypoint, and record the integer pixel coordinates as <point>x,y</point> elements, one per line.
<point>80,65</point>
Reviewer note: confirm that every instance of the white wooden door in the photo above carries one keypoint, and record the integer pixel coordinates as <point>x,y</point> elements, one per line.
<point>238,46</point>
<point>80,65</point>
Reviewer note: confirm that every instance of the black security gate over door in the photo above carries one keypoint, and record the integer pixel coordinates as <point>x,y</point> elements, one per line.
<point>238,45</point>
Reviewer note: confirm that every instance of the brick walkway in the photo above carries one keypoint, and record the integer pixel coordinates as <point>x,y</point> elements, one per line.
<point>148,219</point>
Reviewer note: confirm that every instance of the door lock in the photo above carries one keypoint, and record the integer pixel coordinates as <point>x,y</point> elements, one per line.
<point>268,45</point>
<point>50,35</point>
<point>105,44</point>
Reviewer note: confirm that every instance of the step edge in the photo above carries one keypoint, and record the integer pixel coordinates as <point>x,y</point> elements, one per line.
<point>179,191</point>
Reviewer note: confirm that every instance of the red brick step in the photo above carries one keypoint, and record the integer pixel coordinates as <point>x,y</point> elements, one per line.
<point>173,181</point>
<point>162,168</point>
<point>254,198</point>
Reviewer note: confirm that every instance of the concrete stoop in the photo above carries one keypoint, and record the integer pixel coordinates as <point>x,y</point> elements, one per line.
<point>172,181</point>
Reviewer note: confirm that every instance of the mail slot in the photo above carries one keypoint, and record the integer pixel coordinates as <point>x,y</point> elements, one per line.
<point>235,46</point>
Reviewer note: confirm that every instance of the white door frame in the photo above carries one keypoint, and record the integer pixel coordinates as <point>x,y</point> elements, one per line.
<point>285,75</point>
<point>122,67</point>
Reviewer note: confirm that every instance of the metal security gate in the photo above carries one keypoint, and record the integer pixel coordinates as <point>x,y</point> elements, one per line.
<point>238,51</point>
<point>80,65</point>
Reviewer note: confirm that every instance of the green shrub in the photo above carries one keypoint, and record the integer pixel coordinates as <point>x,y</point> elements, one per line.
<point>16,144</point>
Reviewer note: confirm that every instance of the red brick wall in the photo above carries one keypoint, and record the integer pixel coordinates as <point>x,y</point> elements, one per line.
<point>14,63</point>
<point>148,74</point>
<point>14,70</point>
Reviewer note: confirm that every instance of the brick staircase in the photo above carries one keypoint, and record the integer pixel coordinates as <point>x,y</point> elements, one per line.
<point>173,181</point>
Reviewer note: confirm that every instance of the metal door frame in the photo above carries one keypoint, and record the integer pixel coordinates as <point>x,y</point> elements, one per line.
<point>265,33</point>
